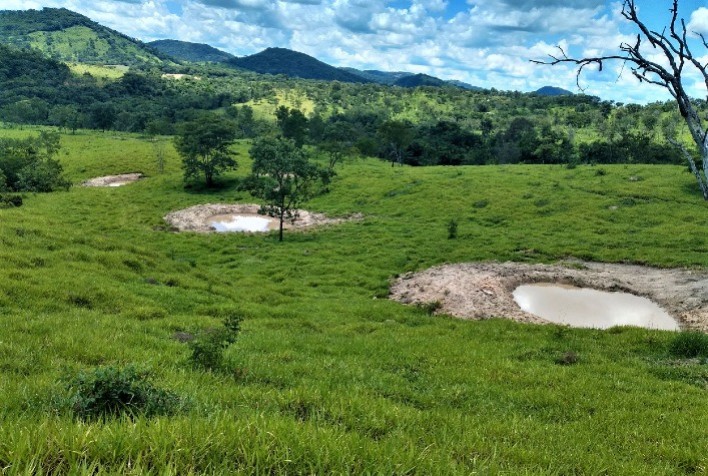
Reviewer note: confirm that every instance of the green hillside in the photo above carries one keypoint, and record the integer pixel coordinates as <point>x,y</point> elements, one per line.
<point>193,52</point>
<point>328,376</point>
<point>294,64</point>
<point>417,80</point>
<point>68,36</point>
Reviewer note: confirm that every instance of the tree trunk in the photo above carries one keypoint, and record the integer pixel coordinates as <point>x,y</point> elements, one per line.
<point>282,218</point>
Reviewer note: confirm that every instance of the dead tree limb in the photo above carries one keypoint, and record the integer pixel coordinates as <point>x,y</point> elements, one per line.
<point>673,44</point>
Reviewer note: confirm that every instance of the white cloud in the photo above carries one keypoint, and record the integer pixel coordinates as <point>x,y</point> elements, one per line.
<point>486,43</point>
<point>699,21</point>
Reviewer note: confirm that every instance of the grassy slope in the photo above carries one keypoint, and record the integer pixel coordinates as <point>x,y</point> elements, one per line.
<point>337,378</point>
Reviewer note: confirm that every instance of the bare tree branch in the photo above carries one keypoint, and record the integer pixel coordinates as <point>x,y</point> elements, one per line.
<point>675,49</point>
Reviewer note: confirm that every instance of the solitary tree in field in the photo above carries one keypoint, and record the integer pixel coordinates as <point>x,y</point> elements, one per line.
<point>282,177</point>
<point>204,147</point>
<point>396,137</point>
<point>665,58</point>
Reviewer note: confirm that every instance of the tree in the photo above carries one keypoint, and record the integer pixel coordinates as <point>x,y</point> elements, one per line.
<point>28,165</point>
<point>282,177</point>
<point>664,64</point>
<point>204,145</point>
<point>103,115</point>
<point>292,124</point>
<point>396,136</point>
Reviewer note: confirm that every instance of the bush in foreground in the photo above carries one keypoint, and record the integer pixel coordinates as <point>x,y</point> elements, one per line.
<point>109,392</point>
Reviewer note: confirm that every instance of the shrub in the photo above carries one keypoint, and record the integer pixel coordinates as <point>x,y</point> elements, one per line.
<point>208,346</point>
<point>568,358</point>
<point>109,392</point>
<point>689,345</point>
<point>10,201</point>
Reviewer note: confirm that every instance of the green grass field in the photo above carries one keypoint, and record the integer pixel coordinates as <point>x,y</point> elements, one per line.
<point>328,376</point>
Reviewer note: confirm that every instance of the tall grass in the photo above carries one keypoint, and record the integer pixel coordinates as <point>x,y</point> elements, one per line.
<point>328,376</point>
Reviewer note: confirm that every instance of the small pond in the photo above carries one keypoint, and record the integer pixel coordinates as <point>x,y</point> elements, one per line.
<point>583,307</point>
<point>241,223</point>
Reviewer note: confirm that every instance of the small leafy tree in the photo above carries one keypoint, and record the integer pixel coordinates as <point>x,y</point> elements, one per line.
<point>204,145</point>
<point>282,177</point>
<point>28,165</point>
<point>209,346</point>
<point>396,136</point>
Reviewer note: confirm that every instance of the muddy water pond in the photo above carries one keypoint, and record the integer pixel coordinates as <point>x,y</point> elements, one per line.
<point>584,307</point>
<point>242,223</point>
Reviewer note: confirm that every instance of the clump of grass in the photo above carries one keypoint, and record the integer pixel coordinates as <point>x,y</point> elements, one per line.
<point>568,358</point>
<point>689,345</point>
<point>111,392</point>
<point>208,346</point>
<point>452,229</point>
<point>430,308</point>
<point>10,201</point>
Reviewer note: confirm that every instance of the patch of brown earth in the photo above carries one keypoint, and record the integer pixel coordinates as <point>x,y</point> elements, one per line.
<point>112,180</point>
<point>484,290</point>
<point>199,217</point>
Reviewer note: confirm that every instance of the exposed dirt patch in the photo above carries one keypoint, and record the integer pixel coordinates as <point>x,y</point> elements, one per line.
<point>484,290</point>
<point>112,180</point>
<point>197,218</point>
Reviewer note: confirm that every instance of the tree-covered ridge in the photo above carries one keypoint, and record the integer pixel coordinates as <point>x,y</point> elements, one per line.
<point>193,52</point>
<point>68,36</point>
<point>417,80</point>
<point>294,64</point>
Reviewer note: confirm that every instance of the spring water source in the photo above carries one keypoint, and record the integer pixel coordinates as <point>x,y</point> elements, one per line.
<point>583,307</point>
<point>242,223</point>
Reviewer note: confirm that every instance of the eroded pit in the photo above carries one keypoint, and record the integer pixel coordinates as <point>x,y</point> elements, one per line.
<point>113,180</point>
<point>585,307</point>
<point>486,290</point>
<point>242,217</point>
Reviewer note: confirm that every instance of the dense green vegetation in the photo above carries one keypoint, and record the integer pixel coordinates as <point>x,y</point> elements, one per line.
<point>293,63</point>
<point>447,126</point>
<point>68,36</point>
<point>193,52</point>
<point>327,375</point>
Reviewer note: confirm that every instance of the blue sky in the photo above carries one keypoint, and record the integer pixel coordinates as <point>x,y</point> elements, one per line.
<point>487,43</point>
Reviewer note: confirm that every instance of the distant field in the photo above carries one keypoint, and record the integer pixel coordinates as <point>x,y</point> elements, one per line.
<point>106,72</point>
<point>328,375</point>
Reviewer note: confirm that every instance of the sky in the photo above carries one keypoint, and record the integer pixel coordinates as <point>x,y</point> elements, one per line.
<point>487,43</point>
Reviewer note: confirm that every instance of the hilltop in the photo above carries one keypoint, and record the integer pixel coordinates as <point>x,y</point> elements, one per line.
<point>418,80</point>
<point>294,64</point>
<point>552,91</point>
<point>68,36</point>
<point>193,52</point>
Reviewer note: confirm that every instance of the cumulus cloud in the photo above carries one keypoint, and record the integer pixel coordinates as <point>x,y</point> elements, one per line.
<point>699,21</point>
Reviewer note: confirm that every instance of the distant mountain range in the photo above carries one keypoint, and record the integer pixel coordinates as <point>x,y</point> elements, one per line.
<point>193,52</point>
<point>71,37</point>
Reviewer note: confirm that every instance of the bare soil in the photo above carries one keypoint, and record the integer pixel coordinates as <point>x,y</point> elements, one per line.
<point>113,180</point>
<point>197,218</point>
<point>484,290</point>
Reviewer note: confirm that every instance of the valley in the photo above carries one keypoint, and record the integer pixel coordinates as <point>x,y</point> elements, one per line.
<point>143,332</point>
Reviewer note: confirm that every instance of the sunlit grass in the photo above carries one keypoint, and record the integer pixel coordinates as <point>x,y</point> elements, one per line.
<point>328,376</point>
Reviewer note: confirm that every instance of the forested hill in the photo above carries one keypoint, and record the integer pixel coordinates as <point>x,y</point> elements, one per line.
<point>68,36</point>
<point>417,80</point>
<point>193,52</point>
<point>17,66</point>
<point>294,64</point>
<point>553,91</point>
